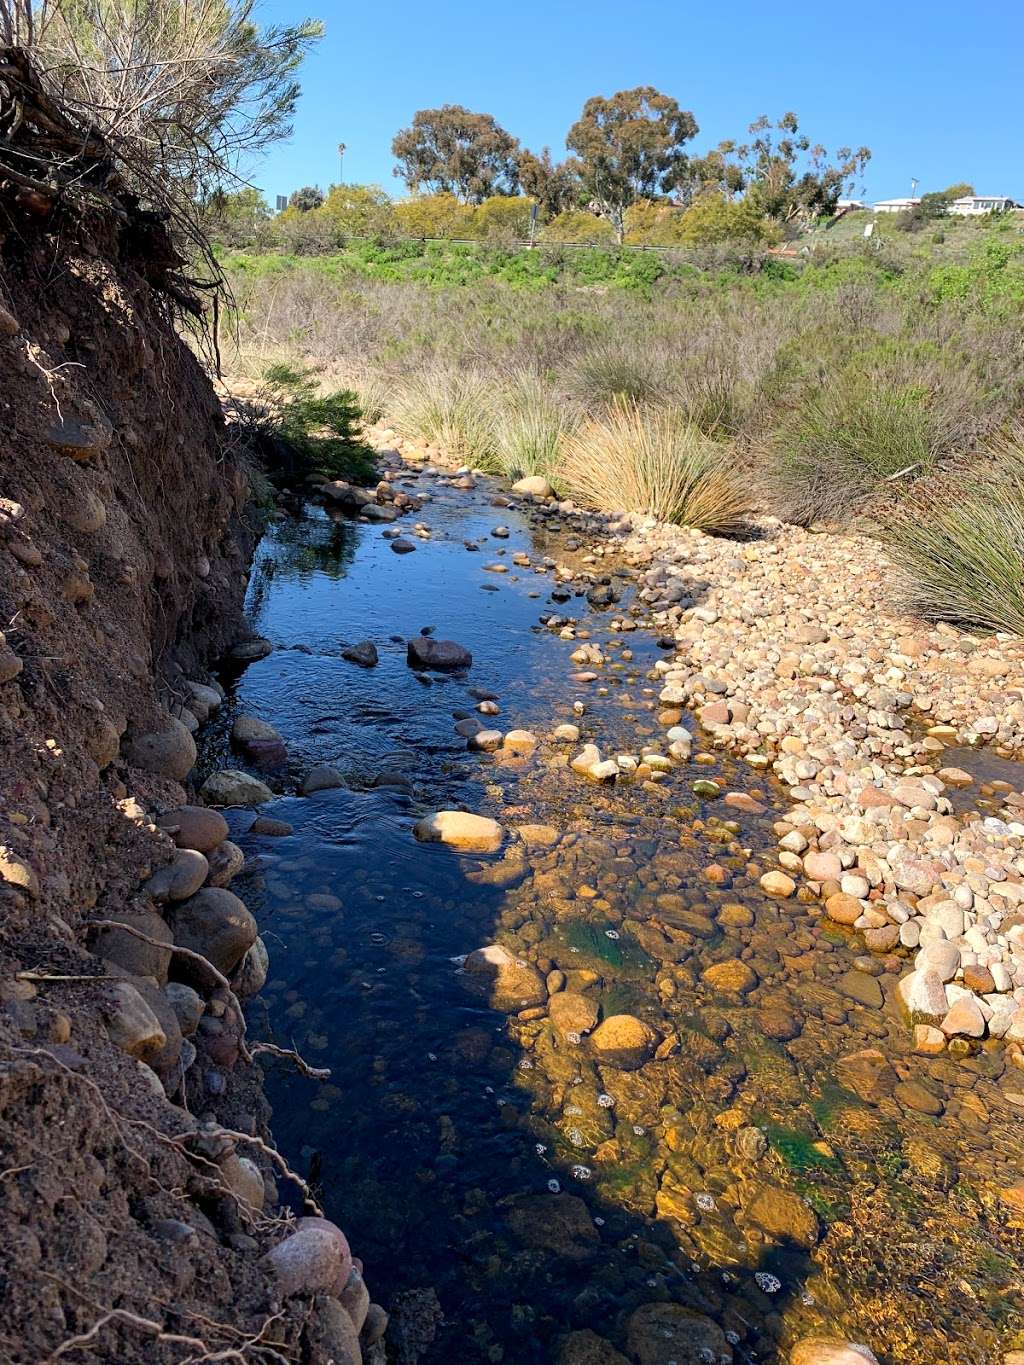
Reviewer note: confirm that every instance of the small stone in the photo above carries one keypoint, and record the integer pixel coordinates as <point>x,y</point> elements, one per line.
<point>249,729</point>
<point>623,1041</point>
<point>822,867</point>
<point>170,752</point>
<point>314,1258</point>
<point>195,827</point>
<point>251,975</point>
<point>830,1351</point>
<point>364,653</point>
<point>321,779</point>
<point>923,997</point>
<point>843,909</point>
<point>132,1025</point>
<point>134,954</point>
<point>964,1019</point>
<point>216,924</point>
<point>180,878</point>
<point>269,828</point>
<point>187,1004</point>
<point>535,485</point>
<point>485,741</point>
<point>566,734</point>
<point>232,787</point>
<point>226,862</point>
<point>520,742</point>
<point>778,884</point>
<point>928,1040</point>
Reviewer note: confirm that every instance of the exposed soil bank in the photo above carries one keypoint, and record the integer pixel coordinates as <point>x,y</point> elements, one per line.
<point>126,1220</point>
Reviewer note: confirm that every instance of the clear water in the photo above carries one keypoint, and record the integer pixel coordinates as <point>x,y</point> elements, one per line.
<point>490,1159</point>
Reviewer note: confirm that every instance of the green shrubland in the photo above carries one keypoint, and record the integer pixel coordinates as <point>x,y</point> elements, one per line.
<point>834,387</point>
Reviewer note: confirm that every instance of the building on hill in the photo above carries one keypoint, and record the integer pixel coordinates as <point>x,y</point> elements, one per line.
<point>970,205</point>
<point>895,205</point>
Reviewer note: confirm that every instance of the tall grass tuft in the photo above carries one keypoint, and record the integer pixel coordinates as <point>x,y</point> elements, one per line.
<point>619,372</point>
<point>530,425</point>
<point>961,554</point>
<point>450,410</point>
<point>846,439</point>
<point>654,461</point>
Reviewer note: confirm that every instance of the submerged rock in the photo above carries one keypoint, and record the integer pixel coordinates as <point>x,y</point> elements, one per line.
<point>784,1216</point>
<point>663,1333</point>
<point>321,779</point>
<point>510,983</point>
<point>623,1041</point>
<point>830,1351</point>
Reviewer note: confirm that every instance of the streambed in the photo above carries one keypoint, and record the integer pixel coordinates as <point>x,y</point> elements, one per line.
<point>777,1161</point>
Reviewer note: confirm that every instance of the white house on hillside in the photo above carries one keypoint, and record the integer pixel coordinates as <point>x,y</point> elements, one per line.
<point>895,205</point>
<point>972,204</point>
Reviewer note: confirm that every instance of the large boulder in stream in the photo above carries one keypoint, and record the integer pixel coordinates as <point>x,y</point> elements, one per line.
<point>459,829</point>
<point>443,656</point>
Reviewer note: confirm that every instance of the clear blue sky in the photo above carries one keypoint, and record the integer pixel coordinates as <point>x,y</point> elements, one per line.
<point>933,87</point>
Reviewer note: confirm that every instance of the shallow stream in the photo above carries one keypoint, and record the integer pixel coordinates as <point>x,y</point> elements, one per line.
<point>784,1164</point>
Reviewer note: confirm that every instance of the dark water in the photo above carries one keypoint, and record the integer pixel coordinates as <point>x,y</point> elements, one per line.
<point>785,1165</point>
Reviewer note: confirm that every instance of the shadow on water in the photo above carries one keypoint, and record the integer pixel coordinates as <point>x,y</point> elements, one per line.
<point>767,1169</point>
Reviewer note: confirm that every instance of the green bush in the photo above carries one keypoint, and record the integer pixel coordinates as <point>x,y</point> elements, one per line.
<point>959,547</point>
<point>844,440</point>
<point>530,425</point>
<point>297,431</point>
<point>619,371</point>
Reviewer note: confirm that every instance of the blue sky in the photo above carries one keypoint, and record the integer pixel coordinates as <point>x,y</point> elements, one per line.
<point>931,86</point>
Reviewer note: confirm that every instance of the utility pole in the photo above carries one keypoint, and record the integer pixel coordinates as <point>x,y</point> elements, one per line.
<point>913,186</point>
<point>341,163</point>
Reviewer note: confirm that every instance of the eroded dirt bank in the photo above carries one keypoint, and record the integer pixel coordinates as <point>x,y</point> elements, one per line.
<point>138,1198</point>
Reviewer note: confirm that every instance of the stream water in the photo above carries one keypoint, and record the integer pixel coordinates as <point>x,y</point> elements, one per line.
<point>784,1166</point>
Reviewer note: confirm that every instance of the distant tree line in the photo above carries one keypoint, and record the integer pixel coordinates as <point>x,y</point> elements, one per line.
<point>629,178</point>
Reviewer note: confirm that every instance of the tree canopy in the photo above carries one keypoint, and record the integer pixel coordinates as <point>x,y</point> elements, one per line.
<point>554,185</point>
<point>630,147</point>
<point>451,150</point>
<point>789,178</point>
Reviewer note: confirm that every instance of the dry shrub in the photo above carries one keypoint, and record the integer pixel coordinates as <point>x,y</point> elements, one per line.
<point>959,548</point>
<point>655,462</point>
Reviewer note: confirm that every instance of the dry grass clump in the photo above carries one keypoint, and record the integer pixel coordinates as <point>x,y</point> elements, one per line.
<point>959,550</point>
<point>451,410</point>
<point>654,461</point>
